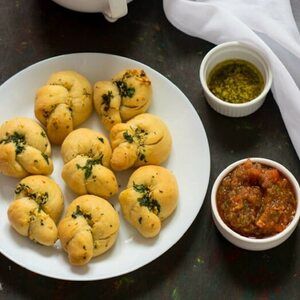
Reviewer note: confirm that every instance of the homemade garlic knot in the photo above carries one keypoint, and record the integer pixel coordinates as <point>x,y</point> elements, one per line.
<point>63,103</point>
<point>150,197</point>
<point>89,228</point>
<point>36,209</point>
<point>128,94</point>
<point>24,148</point>
<point>143,140</point>
<point>87,154</point>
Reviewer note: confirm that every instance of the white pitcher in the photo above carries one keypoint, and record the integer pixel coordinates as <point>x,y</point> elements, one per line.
<point>112,9</point>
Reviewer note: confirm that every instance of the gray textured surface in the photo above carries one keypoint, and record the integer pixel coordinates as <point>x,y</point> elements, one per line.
<point>202,265</point>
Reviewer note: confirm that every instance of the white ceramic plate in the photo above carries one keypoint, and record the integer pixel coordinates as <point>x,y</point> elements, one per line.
<point>189,161</point>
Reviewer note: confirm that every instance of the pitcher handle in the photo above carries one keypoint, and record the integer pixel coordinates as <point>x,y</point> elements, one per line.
<point>116,10</point>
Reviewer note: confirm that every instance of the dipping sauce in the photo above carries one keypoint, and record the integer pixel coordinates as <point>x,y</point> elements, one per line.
<point>256,200</point>
<point>235,81</point>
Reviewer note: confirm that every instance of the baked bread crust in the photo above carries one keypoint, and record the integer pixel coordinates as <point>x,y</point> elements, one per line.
<point>24,148</point>
<point>63,103</point>
<point>87,154</point>
<point>128,94</point>
<point>151,196</point>
<point>36,209</point>
<point>143,140</point>
<point>89,228</point>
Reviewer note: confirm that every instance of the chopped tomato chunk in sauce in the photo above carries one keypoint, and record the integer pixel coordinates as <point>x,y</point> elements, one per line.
<point>256,200</point>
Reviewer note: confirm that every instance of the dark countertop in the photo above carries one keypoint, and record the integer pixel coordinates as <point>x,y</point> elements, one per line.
<point>202,265</point>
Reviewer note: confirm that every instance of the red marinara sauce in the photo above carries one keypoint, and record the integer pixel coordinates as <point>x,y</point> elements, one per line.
<point>256,200</point>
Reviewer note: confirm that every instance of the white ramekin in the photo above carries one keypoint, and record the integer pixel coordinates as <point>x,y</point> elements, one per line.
<point>235,50</point>
<point>253,243</point>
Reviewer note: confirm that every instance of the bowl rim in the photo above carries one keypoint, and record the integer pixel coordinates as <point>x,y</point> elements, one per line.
<point>242,45</point>
<point>291,226</point>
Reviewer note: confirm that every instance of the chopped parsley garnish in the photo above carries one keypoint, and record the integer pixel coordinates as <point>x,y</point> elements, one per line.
<point>40,198</point>
<point>79,213</point>
<point>140,132</point>
<point>90,163</point>
<point>18,140</point>
<point>43,134</point>
<point>106,99</point>
<point>142,157</point>
<point>140,188</point>
<point>128,137</point>
<point>138,137</point>
<point>46,157</point>
<point>101,140</point>
<point>124,89</point>
<point>21,187</point>
<point>146,199</point>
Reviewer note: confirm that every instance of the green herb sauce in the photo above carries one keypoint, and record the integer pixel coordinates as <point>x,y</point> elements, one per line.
<point>235,81</point>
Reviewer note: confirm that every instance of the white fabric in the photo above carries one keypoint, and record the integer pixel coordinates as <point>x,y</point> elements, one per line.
<point>269,24</point>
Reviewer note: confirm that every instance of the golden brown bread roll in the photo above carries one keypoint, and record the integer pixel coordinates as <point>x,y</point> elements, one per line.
<point>87,154</point>
<point>24,148</point>
<point>143,140</point>
<point>89,228</point>
<point>150,197</point>
<point>63,103</point>
<point>36,209</point>
<point>128,94</point>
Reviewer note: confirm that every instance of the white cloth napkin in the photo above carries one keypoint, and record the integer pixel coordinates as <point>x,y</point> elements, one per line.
<point>268,24</point>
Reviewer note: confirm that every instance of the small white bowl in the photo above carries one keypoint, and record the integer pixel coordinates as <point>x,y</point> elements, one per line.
<point>235,50</point>
<point>255,244</point>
